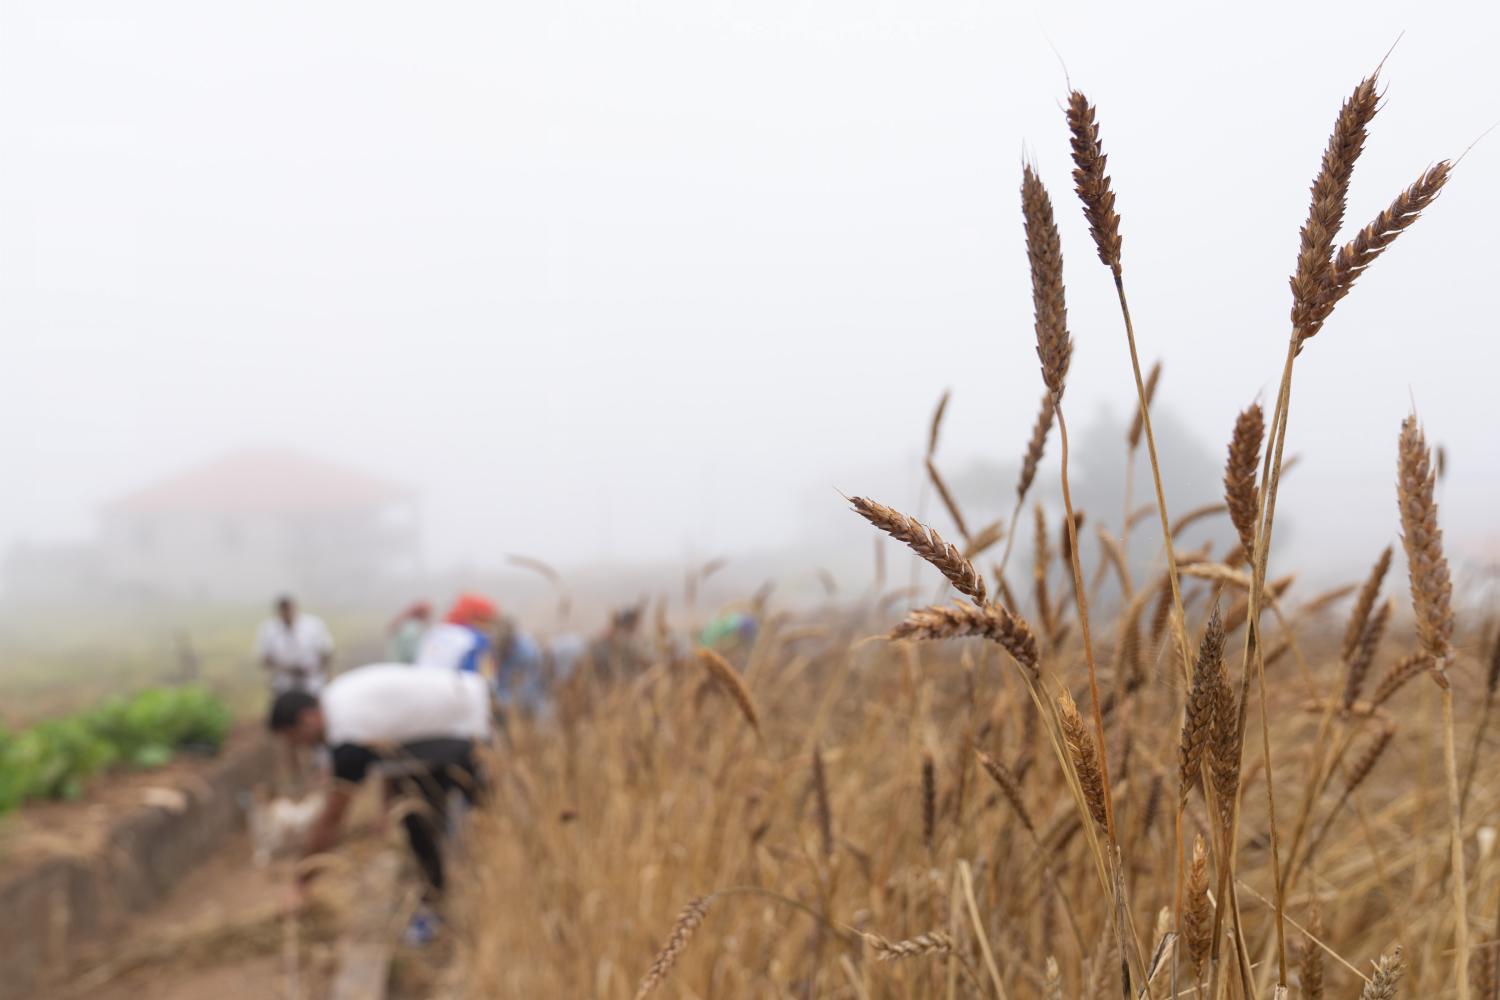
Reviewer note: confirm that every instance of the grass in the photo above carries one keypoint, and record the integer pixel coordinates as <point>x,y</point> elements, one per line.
<point>56,662</point>
<point>992,797</point>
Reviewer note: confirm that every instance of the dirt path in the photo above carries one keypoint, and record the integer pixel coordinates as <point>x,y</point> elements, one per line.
<point>217,936</point>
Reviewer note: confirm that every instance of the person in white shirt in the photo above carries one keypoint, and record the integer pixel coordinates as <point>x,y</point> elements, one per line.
<point>294,648</point>
<point>464,640</point>
<point>421,726</point>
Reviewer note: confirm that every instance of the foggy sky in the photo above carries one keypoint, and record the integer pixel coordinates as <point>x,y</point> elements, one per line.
<point>617,281</point>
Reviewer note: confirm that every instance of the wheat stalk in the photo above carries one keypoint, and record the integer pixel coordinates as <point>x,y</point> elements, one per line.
<point>820,797</point>
<point>1431,593</point>
<point>929,800</point>
<point>1133,436</point>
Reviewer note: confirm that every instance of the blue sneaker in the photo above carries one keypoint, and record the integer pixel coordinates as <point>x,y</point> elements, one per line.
<point>422,928</point>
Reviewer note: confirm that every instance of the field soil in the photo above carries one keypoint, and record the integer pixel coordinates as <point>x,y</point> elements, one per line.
<point>218,935</point>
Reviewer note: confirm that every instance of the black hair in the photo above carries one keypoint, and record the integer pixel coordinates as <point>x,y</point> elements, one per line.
<point>288,708</point>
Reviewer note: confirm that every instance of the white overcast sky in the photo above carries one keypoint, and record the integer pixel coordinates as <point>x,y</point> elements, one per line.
<point>612,279</point>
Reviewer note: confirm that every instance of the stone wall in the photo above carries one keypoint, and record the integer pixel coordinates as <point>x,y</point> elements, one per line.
<point>52,910</point>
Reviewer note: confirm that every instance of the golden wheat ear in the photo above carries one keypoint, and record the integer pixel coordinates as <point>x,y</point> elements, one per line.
<point>1091,181</point>
<point>1240,492</point>
<point>688,921</point>
<point>1431,585</point>
<point>928,544</point>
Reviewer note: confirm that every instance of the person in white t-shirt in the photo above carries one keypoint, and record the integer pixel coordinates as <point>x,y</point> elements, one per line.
<point>294,648</point>
<point>421,726</point>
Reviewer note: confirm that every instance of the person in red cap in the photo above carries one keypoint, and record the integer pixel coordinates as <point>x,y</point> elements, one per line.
<point>462,641</point>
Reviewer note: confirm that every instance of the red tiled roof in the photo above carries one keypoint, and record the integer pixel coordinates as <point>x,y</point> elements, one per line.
<point>262,480</point>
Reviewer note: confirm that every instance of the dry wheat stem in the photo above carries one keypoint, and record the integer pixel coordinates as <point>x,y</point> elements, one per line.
<point>825,809</point>
<point>1098,200</point>
<point>1081,599</point>
<point>1320,287</point>
<point>1491,686</point>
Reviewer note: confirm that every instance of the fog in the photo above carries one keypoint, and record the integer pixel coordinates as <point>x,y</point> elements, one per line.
<point>613,284</point>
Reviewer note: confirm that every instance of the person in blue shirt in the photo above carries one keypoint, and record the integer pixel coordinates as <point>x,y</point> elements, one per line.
<point>462,640</point>
<point>519,669</point>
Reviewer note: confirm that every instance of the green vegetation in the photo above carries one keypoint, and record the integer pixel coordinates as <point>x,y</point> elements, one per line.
<point>53,759</point>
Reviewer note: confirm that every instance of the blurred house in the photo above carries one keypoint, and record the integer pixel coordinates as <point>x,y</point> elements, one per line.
<point>256,522</point>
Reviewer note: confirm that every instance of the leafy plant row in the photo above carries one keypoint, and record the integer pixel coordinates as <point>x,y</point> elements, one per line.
<point>54,759</point>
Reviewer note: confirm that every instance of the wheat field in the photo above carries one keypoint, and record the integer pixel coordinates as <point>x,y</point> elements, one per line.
<point>1069,780</point>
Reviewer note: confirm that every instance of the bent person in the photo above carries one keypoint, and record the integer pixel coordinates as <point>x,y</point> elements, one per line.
<point>420,728</point>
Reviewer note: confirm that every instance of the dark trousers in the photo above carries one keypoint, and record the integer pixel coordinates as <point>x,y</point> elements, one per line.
<point>428,771</point>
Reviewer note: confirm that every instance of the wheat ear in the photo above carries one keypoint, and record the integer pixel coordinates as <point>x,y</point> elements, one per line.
<point>1431,595</point>
<point>1197,916</point>
<point>1009,786</point>
<point>687,922</point>
<point>1085,756</point>
<point>1311,296</point>
<point>1240,493</point>
<point>723,671</point>
<point>991,621</point>
<point>1310,968</point>
<point>1209,690</point>
<point>931,943</point>
<point>927,543</point>
<point>1388,971</point>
